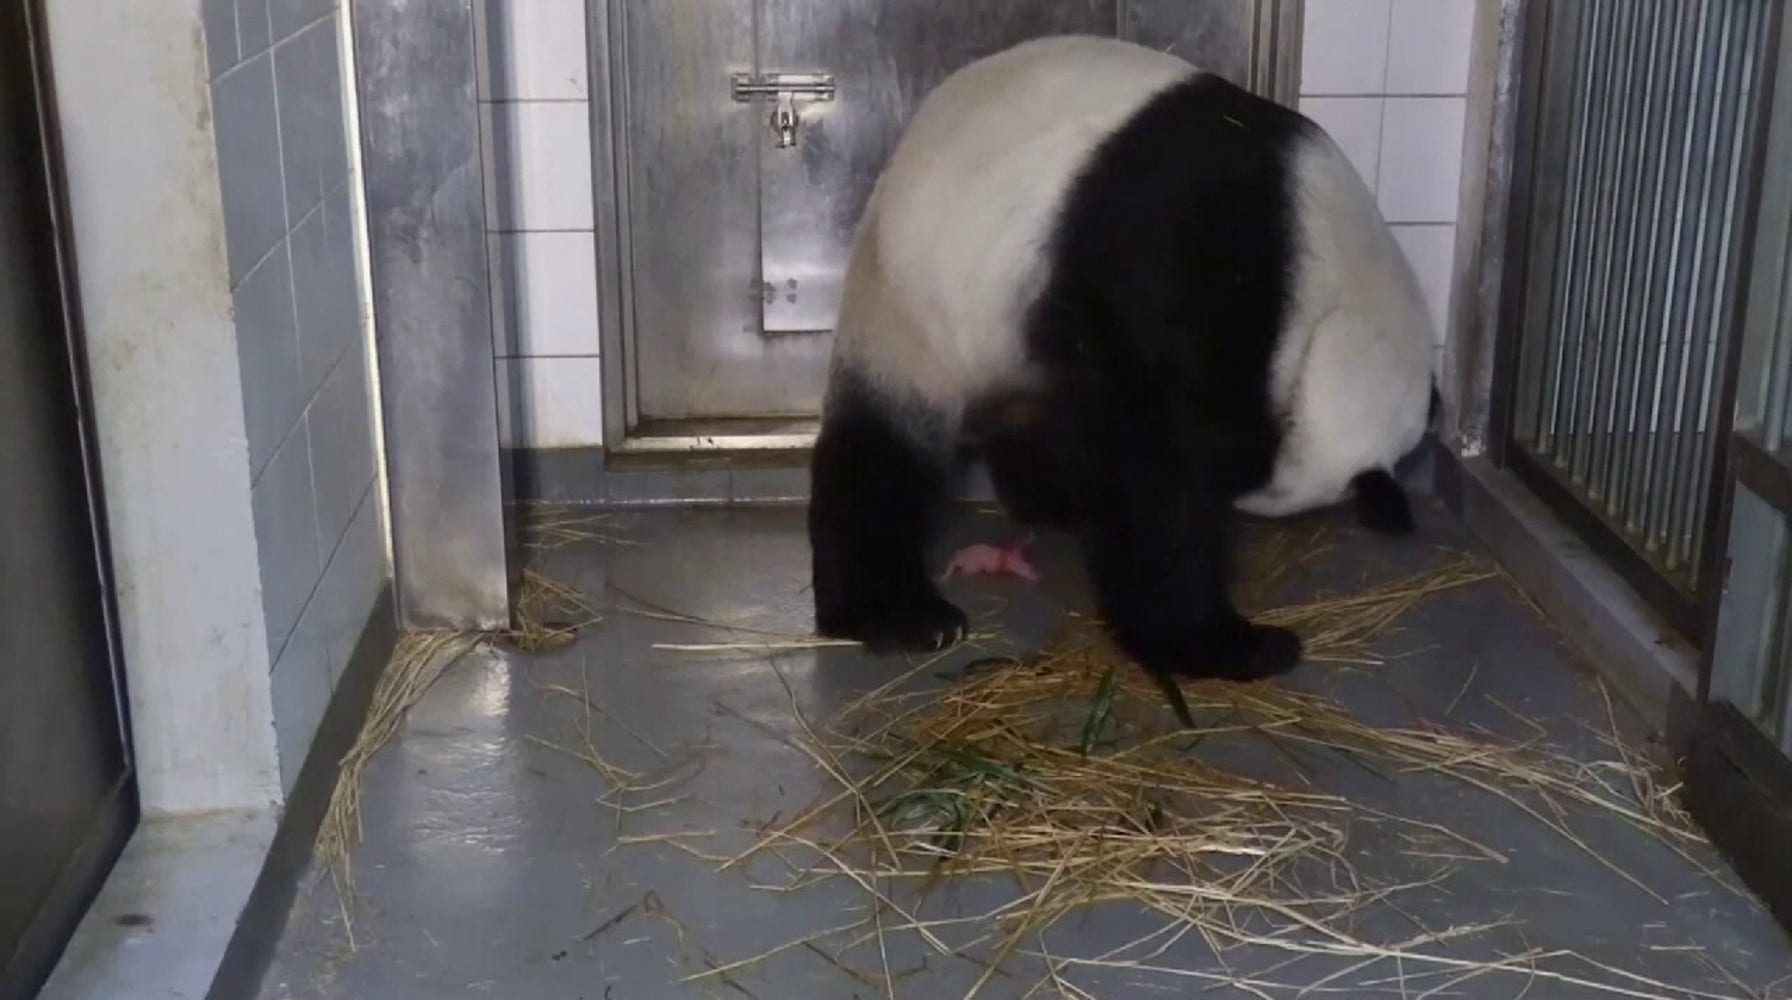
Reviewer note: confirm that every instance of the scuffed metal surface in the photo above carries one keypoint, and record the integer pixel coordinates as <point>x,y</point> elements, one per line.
<point>421,153</point>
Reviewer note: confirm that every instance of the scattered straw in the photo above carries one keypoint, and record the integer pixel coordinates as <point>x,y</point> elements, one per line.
<point>1064,774</point>
<point>548,615</point>
<point>1342,629</point>
<point>420,659</point>
<point>547,526</point>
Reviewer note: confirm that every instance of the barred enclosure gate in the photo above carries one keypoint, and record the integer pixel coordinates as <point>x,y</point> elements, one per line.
<point>1640,127</point>
<point>1738,762</point>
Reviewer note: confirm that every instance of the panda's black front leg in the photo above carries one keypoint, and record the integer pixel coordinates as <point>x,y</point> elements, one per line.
<point>1159,548</point>
<point>879,481</point>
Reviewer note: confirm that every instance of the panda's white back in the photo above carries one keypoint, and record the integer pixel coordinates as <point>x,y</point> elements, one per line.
<point>952,247</point>
<point>954,250</point>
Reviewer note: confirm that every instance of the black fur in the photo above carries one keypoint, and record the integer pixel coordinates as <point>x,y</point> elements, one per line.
<point>1029,444</point>
<point>879,482</point>
<point>1167,288</point>
<point>1381,504</point>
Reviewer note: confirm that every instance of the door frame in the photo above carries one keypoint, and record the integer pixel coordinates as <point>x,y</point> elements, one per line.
<point>1738,783</point>
<point>42,944</point>
<point>1275,71</point>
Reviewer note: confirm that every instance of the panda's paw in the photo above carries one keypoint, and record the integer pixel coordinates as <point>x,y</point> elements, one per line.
<point>1236,651</point>
<point>1269,651</point>
<point>924,623</point>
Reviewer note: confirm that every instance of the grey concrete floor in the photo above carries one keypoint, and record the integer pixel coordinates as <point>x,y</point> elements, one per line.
<point>491,868</point>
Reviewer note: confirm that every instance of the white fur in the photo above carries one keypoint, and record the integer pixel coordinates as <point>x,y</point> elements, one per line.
<point>951,249</point>
<point>951,252</point>
<point>1352,372</point>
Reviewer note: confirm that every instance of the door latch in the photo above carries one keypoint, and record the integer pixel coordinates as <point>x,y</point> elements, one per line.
<point>784,89</point>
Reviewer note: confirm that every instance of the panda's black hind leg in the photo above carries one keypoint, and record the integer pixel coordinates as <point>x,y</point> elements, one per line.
<point>1381,503</point>
<point>1160,554</point>
<point>879,480</point>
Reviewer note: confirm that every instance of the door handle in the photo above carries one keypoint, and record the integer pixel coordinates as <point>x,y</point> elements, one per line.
<point>784,89</point>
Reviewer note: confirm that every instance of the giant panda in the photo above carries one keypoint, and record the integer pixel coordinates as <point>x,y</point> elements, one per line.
<point>1152,300</point>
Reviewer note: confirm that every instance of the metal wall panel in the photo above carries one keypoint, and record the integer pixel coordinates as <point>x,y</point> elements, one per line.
<point>1253,43</point>
<point>690,172</point>
<point>424,182</point>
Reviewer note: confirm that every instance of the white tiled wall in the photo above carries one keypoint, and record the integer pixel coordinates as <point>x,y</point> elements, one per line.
<point>534,92</point>
<point>1388,79</point>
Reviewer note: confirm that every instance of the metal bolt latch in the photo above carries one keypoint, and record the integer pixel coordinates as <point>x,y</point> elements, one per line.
<point>784,88</point>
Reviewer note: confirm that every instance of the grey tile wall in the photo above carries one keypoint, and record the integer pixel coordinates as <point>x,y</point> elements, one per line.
<point>286,536</point>
<point>280,124</point>
<point>268,354</point>
<point>246,123</point>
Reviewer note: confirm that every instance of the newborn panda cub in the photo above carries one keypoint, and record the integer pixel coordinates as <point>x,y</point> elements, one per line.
<point>1150,299</point>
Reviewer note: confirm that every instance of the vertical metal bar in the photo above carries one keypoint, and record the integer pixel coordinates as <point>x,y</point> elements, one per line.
<point>1657,263</point>
<point>1701,285</point>
<point>1608,336</point>
<point>1587,204</point>
<point>1663,423</point>
<point>1556,64</point>
<point>1725,286</point>
<point>1645,177</point>
<point>1620,378</point>
<point>1638,311</point>
<point>1559,422</point>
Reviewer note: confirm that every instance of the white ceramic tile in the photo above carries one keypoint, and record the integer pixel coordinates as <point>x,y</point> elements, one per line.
<point>1431,250</point>
<point>544,294</point>
<point>1344,47</point>
<point>550,402</point>
<point>1354,123</point>
<point>542,153</point>
<point>535,50</point>
<point>1420,173</point>
<point>1428,46</point>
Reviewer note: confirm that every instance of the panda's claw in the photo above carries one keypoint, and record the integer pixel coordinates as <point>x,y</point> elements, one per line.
<point>923,624</point>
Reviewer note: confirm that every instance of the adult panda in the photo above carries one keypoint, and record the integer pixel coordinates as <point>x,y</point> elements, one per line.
<point>1151,298</point>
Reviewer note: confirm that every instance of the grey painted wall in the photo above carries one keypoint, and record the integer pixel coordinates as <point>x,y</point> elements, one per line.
<point>281,129</point>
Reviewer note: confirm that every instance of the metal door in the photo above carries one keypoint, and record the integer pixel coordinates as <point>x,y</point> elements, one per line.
<point>66,794</point>
<point>750,134</point>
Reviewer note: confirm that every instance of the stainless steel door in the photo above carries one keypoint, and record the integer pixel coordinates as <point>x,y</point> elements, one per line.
<point>66,797</point>
<point>735,237</point>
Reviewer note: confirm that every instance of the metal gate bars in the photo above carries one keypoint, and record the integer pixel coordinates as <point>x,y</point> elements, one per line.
<point>1638,141</point>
